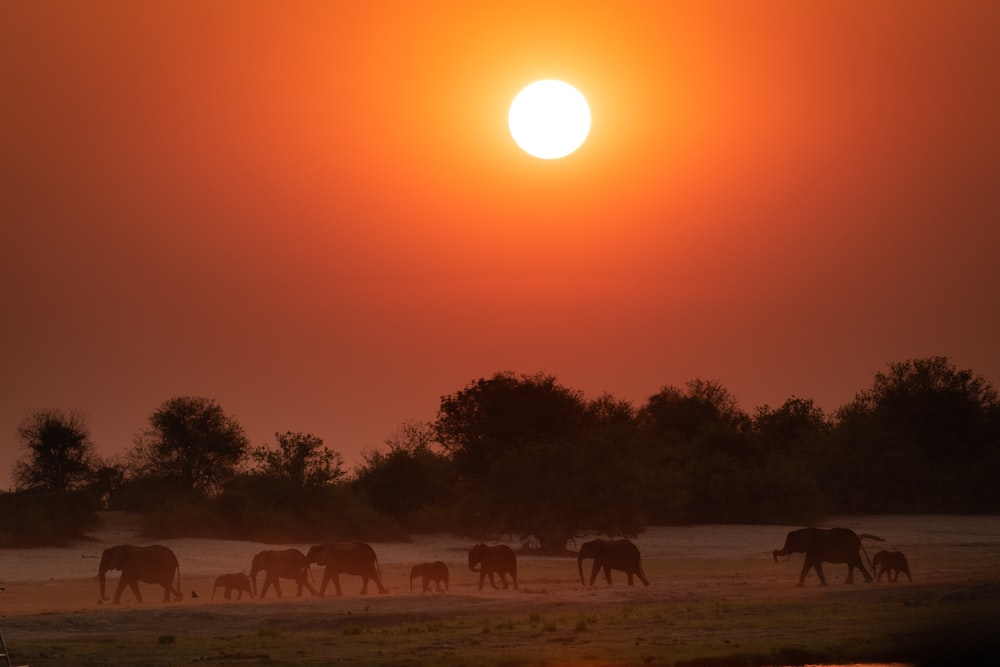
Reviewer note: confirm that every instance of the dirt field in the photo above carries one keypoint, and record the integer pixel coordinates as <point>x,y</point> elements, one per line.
<point>52,594</point>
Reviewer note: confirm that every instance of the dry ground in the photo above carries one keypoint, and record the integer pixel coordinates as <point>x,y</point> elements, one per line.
<point>52,594</point>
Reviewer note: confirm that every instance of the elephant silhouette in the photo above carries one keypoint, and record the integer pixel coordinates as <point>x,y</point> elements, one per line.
<point>155,564</point>
<point>280,564</point>
<point>892,563</point>
<point>611,555</point>
<point>436,572</point>
<point>492,560</point>
<point>826,545</point>
<point>238,582</point>
<point>355,558</point>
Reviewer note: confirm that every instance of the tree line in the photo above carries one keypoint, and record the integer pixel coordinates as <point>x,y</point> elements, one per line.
<point>524,455</point>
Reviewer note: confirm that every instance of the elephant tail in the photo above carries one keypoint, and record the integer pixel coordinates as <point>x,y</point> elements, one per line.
<point>868,536</point>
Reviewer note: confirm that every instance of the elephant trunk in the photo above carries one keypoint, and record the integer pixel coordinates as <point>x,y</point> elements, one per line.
<point>101,579</point>
<point>776,553</point>
<point>102,573</point>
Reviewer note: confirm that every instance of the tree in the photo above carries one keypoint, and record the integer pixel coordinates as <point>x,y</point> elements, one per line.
<point>409,479</point>
<point>504,413</point>
<point>699,452</point>
<point>537,459</point>
<point>685,413</point>
<point>60,455</point>
<point>925,437</point>
<point>300,460</point>
<point>190,441</point>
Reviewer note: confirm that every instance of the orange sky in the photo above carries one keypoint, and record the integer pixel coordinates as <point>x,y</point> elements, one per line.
<point>313,212</point>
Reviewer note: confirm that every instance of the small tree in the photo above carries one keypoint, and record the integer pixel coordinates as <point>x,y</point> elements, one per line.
<point>410,479</point>
<point>59,453</point>
<point>191,441</point>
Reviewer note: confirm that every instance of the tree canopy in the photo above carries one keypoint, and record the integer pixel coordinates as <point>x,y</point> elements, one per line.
<point>525,455</point>
<point>59,454</point>
<point>190,440</point>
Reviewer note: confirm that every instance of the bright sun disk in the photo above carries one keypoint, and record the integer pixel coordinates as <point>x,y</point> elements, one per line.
<point>549,119</point>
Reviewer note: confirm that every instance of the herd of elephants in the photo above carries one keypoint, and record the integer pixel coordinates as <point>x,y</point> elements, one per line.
<point>157,564</point>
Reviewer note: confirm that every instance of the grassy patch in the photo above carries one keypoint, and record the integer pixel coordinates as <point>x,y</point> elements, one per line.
<point>751,632</point>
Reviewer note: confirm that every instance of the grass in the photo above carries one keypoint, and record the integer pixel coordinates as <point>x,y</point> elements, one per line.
<point>696,634</point>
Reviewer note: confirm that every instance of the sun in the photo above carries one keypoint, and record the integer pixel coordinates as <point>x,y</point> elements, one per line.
<point>549,119</point>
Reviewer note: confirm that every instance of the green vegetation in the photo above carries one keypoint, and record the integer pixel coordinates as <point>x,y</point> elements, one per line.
<point>523,455</point>
<point>841,629</point>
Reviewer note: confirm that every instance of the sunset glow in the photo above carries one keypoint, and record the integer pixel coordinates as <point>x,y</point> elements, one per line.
<point>314,212</point>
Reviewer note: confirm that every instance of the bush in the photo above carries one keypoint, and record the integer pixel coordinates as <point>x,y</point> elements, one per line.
<point>45,518</point>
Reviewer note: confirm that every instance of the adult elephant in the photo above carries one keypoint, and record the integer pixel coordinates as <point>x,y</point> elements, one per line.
<point>611,555</point>
<point>492,560</point>
<point>827,545</point>
<point>154,564</point>
<point>280,564</point>
<point>428,572</point>
<point>355,558</point>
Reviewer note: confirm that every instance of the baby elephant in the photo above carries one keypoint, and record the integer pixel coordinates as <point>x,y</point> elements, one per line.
<point>436,572</point>
<point>891,562</point>
<point>239,582</point>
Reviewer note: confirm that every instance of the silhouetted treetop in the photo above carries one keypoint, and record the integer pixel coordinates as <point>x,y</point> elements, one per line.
<point>59,454</point>
<point>191,441</point>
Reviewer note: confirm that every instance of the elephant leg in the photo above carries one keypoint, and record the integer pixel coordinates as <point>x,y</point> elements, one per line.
<point>167,590</point>
<point>607,574</point>
<point>628,573</point>
<point>364,584</point>
<point>304,581</point>
<point>119,590</point>
<point>594,571</point>
<point>482,578</point>
<point>850,573</point>
<point>806,566</point>
<point>378,582</point>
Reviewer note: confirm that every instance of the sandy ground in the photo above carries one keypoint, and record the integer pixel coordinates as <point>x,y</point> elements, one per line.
<point>53,592</point>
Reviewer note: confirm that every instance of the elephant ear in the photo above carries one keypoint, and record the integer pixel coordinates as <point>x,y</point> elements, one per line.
<point>116,557</point>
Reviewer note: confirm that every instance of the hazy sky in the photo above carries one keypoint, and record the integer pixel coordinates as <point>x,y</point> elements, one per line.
<point>313,212</point>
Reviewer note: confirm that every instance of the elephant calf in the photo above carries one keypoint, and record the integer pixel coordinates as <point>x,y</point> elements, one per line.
<point>891,562</point>
<point>428,572</point>
<point>239,582</point>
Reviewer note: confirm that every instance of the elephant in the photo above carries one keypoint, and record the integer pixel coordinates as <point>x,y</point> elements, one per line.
<point>889,562</point>
<point>611,555</point>
<point>493,560</point>
<point>827,545</point>
<point>347,558</point>
<point>239,582</point>
<point>280,564</point>
<point>436,572</point>
<point>154,564</point>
